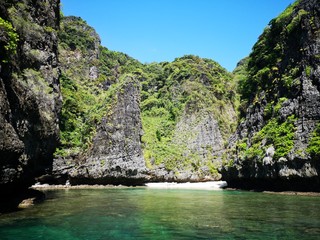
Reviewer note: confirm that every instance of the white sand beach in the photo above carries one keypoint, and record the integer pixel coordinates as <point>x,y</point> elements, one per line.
<point>212,185</point>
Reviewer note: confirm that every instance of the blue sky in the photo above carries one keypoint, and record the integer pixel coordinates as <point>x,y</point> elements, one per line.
<point>162,30</point>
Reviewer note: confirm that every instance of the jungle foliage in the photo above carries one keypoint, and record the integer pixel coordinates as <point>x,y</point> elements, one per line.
<point>168,89</point>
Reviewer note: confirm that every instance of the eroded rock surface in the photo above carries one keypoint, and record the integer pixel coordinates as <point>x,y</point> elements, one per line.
<point>275,147</point>
<point>30,99</point>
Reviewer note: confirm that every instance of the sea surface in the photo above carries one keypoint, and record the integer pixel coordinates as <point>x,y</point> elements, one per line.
<point>142,213</point>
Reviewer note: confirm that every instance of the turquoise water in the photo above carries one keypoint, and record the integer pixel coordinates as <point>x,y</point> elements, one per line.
<point>140,213</point>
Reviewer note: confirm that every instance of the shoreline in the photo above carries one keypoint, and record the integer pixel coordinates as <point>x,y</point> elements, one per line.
<point>211,185</point>
<point>82,186</point>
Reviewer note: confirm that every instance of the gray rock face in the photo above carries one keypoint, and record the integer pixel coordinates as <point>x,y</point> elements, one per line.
<point>116,156</point>
<point>75,61</point>
<point>199,137</point>
<point>298,169</point>
<point>29,93</point>
<point>199,134</point>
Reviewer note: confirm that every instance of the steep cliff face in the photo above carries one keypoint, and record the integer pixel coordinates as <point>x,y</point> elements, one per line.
<point>116,155</point>
<point>78,49</point>
<point>100,125</point>
<point>88,70</point>
<point>29,90</point>
<point>187,116</point>
<point>276,146</point>
<point>186,113</point>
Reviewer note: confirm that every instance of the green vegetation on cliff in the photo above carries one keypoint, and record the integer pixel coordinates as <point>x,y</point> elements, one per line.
<point>171,93</point>
<point>314,144</point>
<point>279,91</point>
<point>29,92</point>
<point>279,135</point>
<point>9,38</point>
<point>275,62</point>
<point>87,74</point>
<point>76,34</point>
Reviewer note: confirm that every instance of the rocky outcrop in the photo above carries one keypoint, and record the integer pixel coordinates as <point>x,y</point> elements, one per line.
<point>30,97</point>
<point>78,49</point>
<point>29,91</point>
<point>188,115</point>
<point>181,126</point>
<point>100,125</point>
<point>116,155</point>
<point>198,134</point>
<point>276,146</point>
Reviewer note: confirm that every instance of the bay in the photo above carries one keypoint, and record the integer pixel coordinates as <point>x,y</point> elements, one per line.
<point>143,213</point>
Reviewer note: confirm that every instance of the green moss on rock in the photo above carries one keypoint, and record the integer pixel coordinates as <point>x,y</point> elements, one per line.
<point>314,144</point>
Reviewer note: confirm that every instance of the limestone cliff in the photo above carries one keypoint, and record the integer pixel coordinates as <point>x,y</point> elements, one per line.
<point>186,114</point>
<point>100,125</point>
<point>123,122</point>
<point>276,146</point>
<point>78,49</point>
<point>30,99</point>
<point>116,155</point>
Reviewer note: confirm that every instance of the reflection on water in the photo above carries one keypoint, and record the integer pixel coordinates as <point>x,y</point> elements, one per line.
<point>140,213</point>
